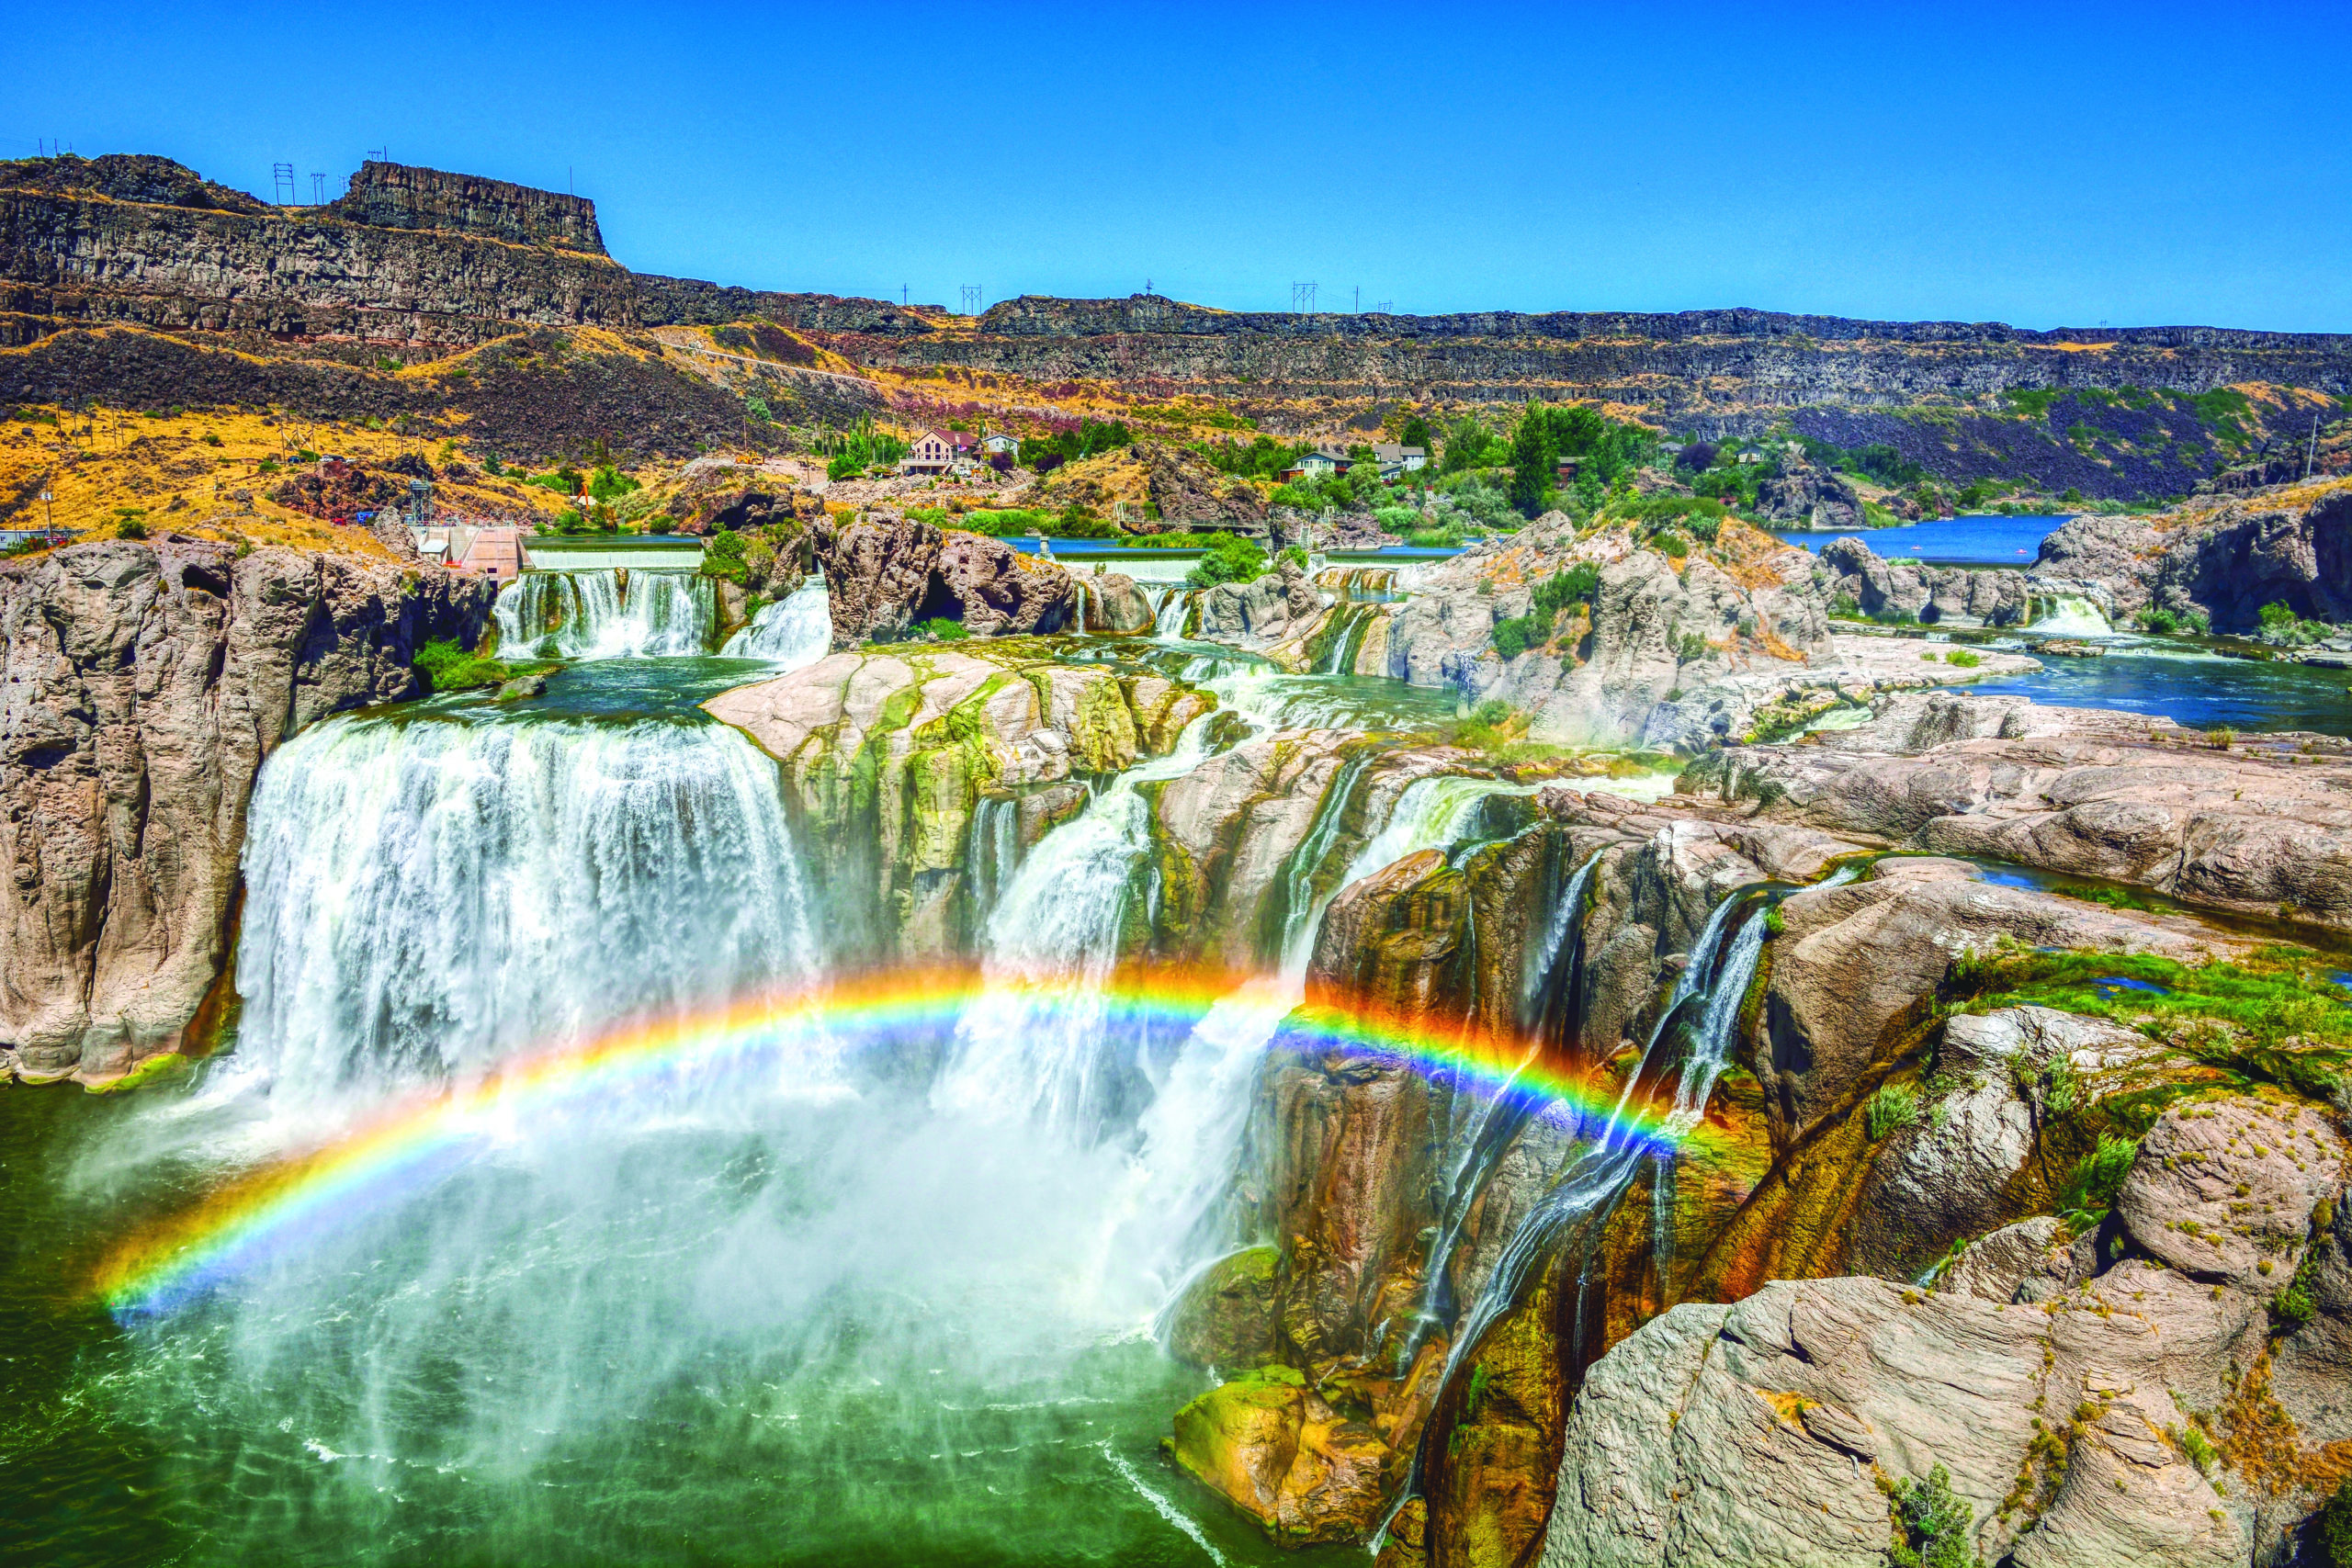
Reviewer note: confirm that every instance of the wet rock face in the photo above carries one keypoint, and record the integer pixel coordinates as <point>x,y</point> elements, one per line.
<point>885,575</point>
<point>144,684</point>
<point>1113,604</point>
<point>1757,1433</point>
<point>886,755</point>
<point>1284,1455</point>
<point>2223,1189</point>
<point>1226,1318</point>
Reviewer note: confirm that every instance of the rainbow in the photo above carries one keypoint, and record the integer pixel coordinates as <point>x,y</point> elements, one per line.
<point>403,1144</point>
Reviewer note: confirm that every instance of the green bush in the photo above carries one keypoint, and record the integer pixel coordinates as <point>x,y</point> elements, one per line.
<point>940,628</point>
<point>2335,1527</point>
<point>1515,635</point>
<point>1230,558</point>
<point>1672,545</point>
<point>1894,1107</point>
<point>130,526</point>
<point>1933,1523</point>
<point>1295,554</point>
<point>608,484</point>
<point>723,558</point>
<point>1962,658</point>
<point>2090,1187</point>
<point>445,667</point>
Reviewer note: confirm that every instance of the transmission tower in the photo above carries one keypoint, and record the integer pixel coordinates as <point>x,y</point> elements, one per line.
<point>971,299</point>
<point>281,184</point>
<point>1301,298</point>
<point>1384,307</point>
<point>317,189</point>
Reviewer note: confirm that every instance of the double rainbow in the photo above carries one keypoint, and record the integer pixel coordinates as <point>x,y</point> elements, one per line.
<point>404,1144</point>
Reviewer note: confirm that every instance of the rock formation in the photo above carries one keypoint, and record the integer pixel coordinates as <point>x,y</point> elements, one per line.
<point>886,574</point>
<point>1949,596</point>
<point>145,683</point>
<point>2223,563</point>
<point>1804,496</point>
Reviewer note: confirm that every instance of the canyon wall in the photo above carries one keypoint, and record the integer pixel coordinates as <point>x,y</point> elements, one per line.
<point>144,685</point>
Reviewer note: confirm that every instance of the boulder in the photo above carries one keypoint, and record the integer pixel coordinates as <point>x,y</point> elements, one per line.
<point>1226,1316</point>
<point>2223,1189</point>
<point>1759,1433</point>
<point>1113,604</point>
<point>883,574</point>
<point>1280,1453</point>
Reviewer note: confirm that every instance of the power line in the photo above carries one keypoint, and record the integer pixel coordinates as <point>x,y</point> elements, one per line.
<point>281,180</point>
<point>971,299</point>
<point>1301,298</point>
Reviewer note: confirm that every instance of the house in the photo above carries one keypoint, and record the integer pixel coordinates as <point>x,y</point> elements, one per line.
<point>998,441</point>
<point>1396,459</point>
<point>937,451</point>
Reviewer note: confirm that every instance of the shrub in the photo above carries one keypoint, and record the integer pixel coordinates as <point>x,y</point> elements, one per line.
<point>1230,558</point>
<point>1962,658</point>
<point>445,667</point>
<point>939,628</point>
<point>1295,555</point>
<point>608,484</point>
<point>212,440</point>
<point>2276,617</point>
<point>2335,1527</point>
<point>1894,1107</point>
<point>723,558</point>
<point>2091,1185</point>
<point>1517,635</point>
<point>1691,648</point>
<point>1396,520</point>
<point>128,526</point>
<point>1933,1524</point>
<point>662,524</point>
<point>756,411</point>
<point>1698,456</point>
<point>2220,737</point>
<point>1672,545</point>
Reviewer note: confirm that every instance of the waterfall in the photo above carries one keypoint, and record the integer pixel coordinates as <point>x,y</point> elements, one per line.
<point>2072,615</point>
<point>1581,1200</point>
<point>1169,615</point>
<point>427,893</point>
<point>990,853</point>
<point>606,614</point>
<point>790,632</point>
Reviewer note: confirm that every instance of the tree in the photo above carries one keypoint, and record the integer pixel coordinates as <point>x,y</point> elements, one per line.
<point>1534,457</point>
<point>1415,433</point>
<point>1228,559</point>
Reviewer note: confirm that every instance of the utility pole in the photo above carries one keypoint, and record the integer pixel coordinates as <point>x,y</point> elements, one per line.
<point>281,178</point>
<point>971,299</point>
<point>317,189</point>
<point>2311,454</point>
<point>1358,310</point>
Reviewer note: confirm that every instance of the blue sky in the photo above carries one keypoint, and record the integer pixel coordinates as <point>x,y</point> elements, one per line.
<point>2044,165</point>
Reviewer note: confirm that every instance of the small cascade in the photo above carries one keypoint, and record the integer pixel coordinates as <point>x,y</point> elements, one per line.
<point>1343,636</point>
<point>991,853</point>
<point>1169,615</point>
<point>606,614</point>
<point>1360,584</point>
<point>1545,1004</point>
<point>2068,615</point>
<point>793,631</point>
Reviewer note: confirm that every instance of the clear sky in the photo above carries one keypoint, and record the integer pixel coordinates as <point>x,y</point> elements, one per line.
<point>2045,164</point>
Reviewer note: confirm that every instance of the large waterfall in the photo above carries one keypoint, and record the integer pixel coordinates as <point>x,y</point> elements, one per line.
<point>606,614</point>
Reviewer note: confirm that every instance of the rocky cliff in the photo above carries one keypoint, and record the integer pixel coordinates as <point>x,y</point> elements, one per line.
<point>423,257</point>
<point>2223,563</point>
<point>145,683</point>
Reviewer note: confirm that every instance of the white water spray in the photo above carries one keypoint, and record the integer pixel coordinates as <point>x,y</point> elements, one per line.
<point>606,614</point>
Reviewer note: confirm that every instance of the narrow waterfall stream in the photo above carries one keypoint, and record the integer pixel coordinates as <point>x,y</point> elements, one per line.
<point>792,631</point>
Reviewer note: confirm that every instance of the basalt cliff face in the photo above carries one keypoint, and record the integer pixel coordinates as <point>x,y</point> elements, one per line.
<point>2223,563</point>
<point>423,259</point>
<point>145,683</point>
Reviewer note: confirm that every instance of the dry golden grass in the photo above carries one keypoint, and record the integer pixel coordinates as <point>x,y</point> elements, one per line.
<point>185,473</point>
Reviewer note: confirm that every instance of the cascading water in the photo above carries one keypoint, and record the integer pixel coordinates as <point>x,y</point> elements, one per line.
<point>2071,615</point>
<point>793,631</point>
<point>606,614</point>
<point>1169,614</point>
